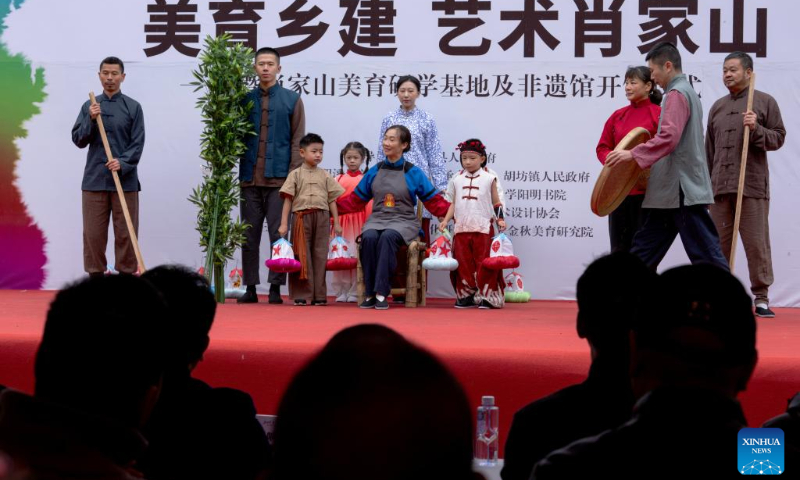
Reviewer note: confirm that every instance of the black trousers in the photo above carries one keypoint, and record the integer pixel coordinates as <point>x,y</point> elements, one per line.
<point>693,224</point>
<point>259,203</point>
<point>624,222</point>
<point>379,259</point>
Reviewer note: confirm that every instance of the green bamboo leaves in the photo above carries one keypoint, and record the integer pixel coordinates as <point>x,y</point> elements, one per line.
<point>223,75</point>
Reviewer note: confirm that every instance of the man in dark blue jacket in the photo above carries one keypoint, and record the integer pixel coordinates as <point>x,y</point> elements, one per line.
<point>124,122</point>
<point>279,121</point>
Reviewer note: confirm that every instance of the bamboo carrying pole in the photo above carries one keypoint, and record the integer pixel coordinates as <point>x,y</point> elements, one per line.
<point>742,170</point>
<point>125,212</point>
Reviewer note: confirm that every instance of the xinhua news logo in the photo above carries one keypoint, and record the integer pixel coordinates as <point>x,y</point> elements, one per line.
<point>761,451</point>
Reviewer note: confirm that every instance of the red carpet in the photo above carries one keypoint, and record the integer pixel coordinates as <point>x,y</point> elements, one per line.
<point>517,354</point>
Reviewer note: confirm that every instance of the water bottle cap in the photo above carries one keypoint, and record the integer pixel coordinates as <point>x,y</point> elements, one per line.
<point>487,400</point>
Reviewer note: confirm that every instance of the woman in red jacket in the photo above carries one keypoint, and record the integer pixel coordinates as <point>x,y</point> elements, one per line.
<point>643,111</point>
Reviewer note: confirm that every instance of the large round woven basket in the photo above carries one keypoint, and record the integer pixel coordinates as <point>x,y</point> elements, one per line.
<point>615,183</point>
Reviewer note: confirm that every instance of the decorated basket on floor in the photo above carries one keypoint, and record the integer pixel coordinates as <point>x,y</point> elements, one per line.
<point>235,287</point>
<point>501,254</point>
<point>283,260</point>
<point>340,255</point>
<point>440,255</point>
<point>515,289</point>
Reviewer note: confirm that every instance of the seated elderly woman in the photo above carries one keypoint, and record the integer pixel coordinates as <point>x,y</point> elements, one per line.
<point>395,185</point>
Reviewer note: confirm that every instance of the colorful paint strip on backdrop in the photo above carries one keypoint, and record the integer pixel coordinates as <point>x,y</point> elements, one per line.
<point>22,243</point>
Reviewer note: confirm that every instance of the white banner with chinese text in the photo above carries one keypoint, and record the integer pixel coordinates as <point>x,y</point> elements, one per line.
<point>535,80</point>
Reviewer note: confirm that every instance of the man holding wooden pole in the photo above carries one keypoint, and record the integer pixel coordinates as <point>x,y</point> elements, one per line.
<point>123,122</point>
<point>728,119</point>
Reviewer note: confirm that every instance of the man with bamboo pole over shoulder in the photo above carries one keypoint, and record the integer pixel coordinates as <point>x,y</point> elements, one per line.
<point>123,120</point>
<point>724,143</point>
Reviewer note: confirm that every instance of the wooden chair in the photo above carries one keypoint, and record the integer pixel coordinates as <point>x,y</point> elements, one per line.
<point>409,265</point>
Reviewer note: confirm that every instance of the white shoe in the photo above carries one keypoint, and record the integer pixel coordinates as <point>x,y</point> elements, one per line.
<point>352,299</point>
<point>342,298</point>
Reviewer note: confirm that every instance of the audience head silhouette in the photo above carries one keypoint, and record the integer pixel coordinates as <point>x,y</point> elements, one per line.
<point>372,405</point>
<point>699,331</point>
<point>191,309</point>
<point>693,351</point>
<point>102,350</point>
<point>610,294</point>
<point>789,422</point>
<point>228,442</point>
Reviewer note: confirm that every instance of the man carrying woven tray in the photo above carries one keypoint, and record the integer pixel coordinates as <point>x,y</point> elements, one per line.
<point>679,189</point>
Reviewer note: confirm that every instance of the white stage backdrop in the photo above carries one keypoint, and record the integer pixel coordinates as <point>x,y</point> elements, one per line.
<point>535,80</point>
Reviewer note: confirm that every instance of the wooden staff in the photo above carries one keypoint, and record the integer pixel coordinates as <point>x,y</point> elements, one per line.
<point>742,169</point>
<point>120,192</point>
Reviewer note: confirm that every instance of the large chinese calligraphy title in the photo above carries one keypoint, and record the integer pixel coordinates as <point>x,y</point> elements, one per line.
<point>368,26</point>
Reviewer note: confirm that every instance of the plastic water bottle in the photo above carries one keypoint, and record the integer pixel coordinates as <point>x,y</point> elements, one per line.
<point>487,441</point>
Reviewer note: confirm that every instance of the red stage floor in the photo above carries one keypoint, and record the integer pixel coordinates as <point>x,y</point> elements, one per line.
<point>518,354</point>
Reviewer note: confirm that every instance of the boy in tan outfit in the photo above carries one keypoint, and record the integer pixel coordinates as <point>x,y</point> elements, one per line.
<point>310,193</point>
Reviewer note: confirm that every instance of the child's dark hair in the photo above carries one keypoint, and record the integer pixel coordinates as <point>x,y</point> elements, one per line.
<point>643,74</point>
<point>361,149</point>
<point>310,138</point>
<point>473,145</point>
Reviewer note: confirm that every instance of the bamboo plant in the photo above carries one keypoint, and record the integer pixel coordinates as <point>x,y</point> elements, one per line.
<point>223,75</point>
